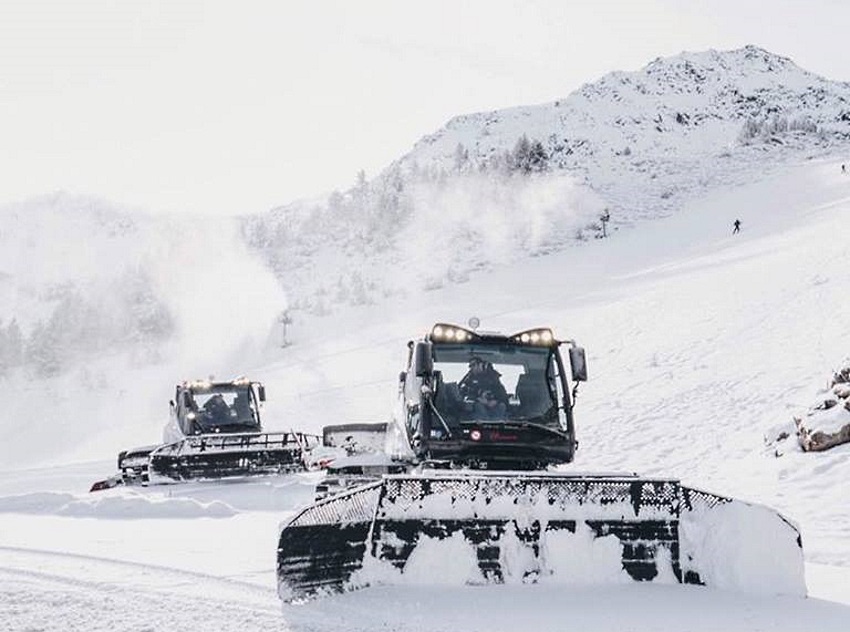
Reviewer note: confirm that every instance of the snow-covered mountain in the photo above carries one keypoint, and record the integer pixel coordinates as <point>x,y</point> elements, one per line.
<point>677,125</point>
<point>475,194</point>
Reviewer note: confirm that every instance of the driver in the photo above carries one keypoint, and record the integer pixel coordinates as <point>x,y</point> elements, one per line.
<point>217,409</point>
<point>482,386</point>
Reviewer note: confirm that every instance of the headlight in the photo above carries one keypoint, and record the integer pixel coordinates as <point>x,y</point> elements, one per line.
<point>451,333</point>
<point>543,337</point>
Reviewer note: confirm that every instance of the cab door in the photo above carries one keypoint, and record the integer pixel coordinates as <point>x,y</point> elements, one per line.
<point>559,384</point>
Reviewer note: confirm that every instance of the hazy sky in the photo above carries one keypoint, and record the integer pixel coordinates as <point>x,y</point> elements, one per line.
<point>238,106</point>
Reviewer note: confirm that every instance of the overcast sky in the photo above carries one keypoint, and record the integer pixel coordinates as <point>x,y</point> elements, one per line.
<point>239,106</point>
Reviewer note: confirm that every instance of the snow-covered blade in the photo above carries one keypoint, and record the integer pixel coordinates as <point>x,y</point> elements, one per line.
<point>212,456</point>
<point>517,527</point>
<point>223,455</point>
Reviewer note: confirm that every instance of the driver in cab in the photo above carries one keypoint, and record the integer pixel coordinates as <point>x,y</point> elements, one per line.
<point>482,387</point>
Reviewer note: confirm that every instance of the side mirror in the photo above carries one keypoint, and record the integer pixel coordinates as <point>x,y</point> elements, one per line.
<point>423,362</point>
<point>261,392</point>
<point>578,364</point>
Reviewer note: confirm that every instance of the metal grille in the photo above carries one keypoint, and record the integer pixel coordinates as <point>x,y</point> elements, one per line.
<point>240,442</point>
<point>555,491</point>
<point>660,494</point>
<point>356,506</point>
<point>696,499</point>
<point>501,516</point>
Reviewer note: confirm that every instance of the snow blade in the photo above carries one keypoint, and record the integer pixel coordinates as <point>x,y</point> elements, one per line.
<point>224,455</point>
<point>478,528</point>
<point>107,483</point>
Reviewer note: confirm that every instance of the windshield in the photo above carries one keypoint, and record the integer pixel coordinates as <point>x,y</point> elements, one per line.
<point>495,382</point>
<point>225,407</point>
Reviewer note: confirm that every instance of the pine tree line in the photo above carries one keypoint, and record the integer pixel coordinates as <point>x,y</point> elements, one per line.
<point>84,326</point>
<point>527,156</point>
<point>766,128</point>
<point>368,218</point>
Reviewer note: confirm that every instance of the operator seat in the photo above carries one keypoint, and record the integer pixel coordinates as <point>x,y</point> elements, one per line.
<point>532,390</point>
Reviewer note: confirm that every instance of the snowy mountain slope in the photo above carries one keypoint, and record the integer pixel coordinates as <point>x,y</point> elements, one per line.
<point>698,341</point>
<point>468,196</point>
<point>398,235</point>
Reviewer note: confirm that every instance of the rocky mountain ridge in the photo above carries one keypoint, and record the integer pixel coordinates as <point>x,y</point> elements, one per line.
<point>694,113</point>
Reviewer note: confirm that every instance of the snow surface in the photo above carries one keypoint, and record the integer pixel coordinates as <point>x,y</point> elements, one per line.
<point>698,342</point>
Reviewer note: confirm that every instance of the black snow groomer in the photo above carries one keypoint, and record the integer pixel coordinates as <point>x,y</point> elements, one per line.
<point>481,419</point>
<point>214,432</point>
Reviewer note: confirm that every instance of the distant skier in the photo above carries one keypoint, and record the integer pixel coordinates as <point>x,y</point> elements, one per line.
<point>843,168</point>
<point>737,226</point>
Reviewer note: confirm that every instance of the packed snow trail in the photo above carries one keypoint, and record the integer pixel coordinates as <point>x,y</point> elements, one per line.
<point>43,590</point>
<point>635,607</point>
<point>51,591</point>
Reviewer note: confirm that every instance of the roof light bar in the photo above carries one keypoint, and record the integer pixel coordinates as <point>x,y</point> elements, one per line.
<point>540,337</point>
<point>442,332</point>
<point>199,384</point>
